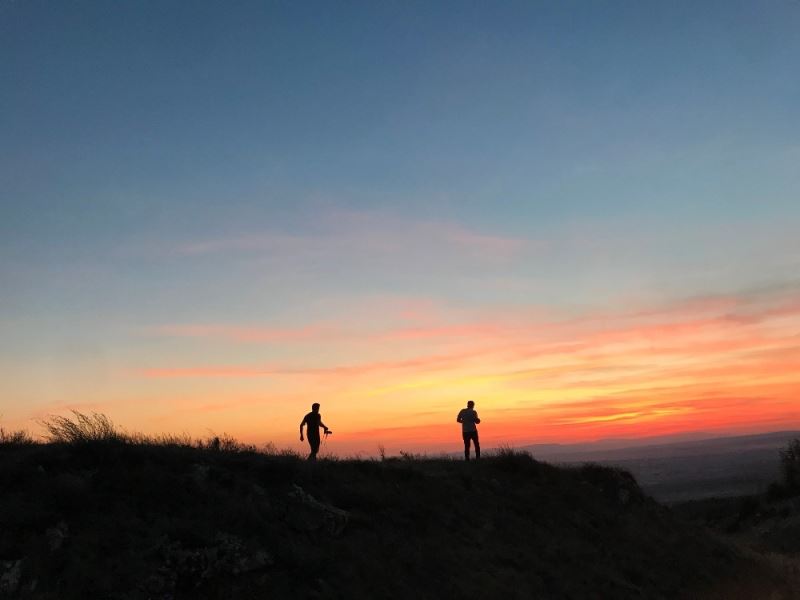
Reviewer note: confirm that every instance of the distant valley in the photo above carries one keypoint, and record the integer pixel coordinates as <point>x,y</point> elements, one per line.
<point>684,470</point>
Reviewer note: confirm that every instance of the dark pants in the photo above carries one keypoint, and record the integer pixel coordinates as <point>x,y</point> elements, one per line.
<point>471,435</point>
<point>314,443</point>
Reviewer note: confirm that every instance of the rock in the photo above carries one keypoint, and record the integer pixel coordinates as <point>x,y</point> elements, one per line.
<point>158,584</point>
<point>628,491</point>
<point>253,562</point>
<point>10,576</point>
<point>190,567</point>
<point>306,513</point>
<point>231,556</point>
<point>326,590</point>
<point>617,485</point>
<point>56,536</point>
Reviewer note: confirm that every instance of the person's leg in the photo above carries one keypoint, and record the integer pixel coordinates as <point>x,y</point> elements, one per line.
<point>477,445</point>
<point>314,443</point>
<point>466,445</point>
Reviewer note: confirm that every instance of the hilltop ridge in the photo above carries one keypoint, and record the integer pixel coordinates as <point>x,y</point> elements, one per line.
<point>121,520</point>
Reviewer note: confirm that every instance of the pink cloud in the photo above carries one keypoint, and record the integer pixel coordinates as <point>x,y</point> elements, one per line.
<point>468,330</point>
<point>367,233</point>
<point>494,245</point>
<point>422,362</point>
<point>685,329</point>
<point>248,333</point>
<point>706,363</point>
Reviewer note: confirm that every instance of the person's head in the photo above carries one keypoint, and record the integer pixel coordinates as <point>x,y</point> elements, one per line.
<point>470,404</point>
<point>315,407</point>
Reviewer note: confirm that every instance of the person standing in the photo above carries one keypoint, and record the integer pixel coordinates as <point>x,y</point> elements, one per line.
<point>313,421</point>
<point>468,417</point>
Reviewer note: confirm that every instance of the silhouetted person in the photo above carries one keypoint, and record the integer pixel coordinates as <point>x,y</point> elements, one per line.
<point>468,417</point>
<point>313,421</point>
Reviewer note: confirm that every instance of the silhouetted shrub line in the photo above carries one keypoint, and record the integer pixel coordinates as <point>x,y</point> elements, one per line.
<point>15,438</point>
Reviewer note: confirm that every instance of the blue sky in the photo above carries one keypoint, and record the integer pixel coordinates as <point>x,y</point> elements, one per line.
<point>546,109</point>
<point>274,162</point>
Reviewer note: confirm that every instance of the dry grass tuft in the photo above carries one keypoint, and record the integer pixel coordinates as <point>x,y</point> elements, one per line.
<point>15,438</point>
<point>81,428</point>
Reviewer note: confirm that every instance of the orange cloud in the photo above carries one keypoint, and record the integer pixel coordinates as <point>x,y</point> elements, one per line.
<point>418,363</point>
<point>714,363</point>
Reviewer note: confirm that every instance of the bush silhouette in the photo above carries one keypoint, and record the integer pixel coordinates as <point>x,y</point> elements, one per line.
<point>81,428</point>
<point>15,438</point>
<point>790,465</point>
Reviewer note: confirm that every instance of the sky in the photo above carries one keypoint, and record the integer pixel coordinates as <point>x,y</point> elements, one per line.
<point>583,216</point>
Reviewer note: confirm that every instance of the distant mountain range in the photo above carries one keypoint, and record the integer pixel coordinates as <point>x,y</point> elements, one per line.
<point>687,469</point>
<point>690,445</point>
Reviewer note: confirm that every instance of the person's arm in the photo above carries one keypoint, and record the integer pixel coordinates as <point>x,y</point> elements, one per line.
<point>303,422</point>
<point>477,420</point>
<point>460,417</point>
<point>324,427</point>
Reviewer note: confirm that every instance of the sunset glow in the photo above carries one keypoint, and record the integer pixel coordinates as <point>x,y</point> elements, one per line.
<point>220,235</point>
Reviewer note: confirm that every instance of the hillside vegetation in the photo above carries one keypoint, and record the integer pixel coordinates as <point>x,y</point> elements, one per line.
<point>113,516</point>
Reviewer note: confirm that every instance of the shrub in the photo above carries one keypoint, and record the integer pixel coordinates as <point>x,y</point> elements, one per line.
<point>270,449</point>
<point>509,458</point>
<point>410,456</point>
<point>81,428</point>
<point>225,443</point>
<point>509,451</point>
<point>15,438</point>
<point>174,440</point>
<point>790,464</point>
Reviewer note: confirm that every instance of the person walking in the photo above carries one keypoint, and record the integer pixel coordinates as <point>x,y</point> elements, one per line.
<point>313,421</point>
<point>468,417</point>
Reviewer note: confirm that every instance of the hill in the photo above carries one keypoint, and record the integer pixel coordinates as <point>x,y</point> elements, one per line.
<point>125,520</point>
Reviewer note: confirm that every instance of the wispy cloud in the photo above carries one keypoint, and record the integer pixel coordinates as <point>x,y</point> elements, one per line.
<point>414,364</point>
<point>374,234</point>
<point>694,363</point>
<point>246,333</point>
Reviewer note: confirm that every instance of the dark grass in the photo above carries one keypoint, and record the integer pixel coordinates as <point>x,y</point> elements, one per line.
<point>508,526</point>
<point>122,516</point>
